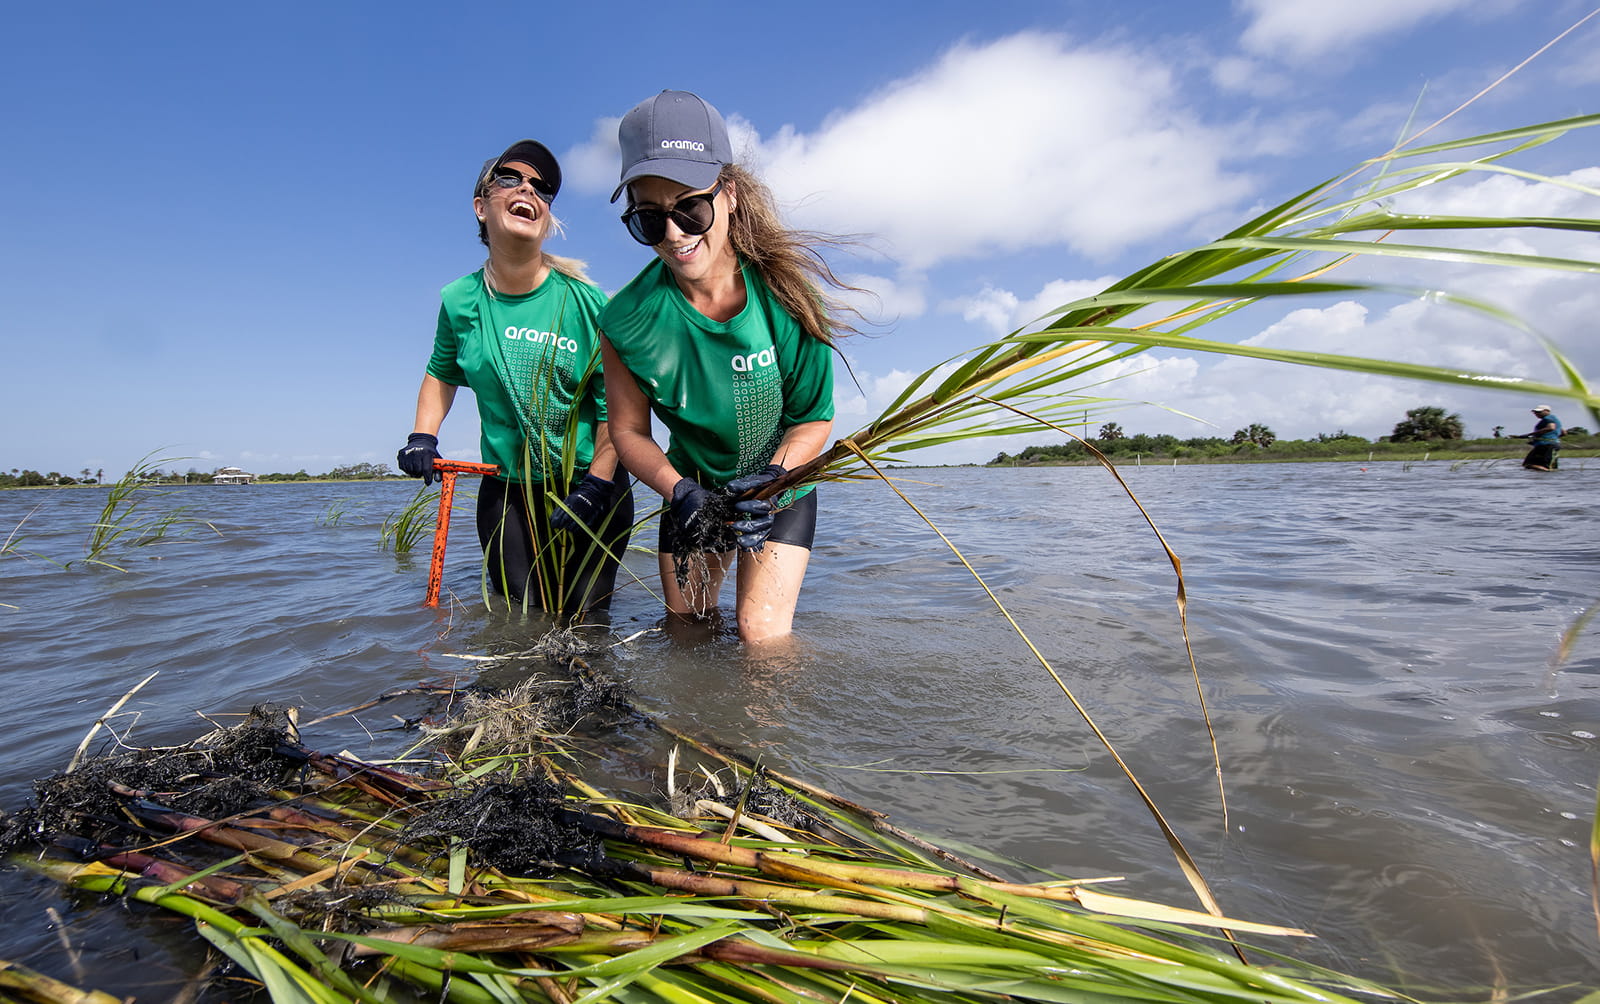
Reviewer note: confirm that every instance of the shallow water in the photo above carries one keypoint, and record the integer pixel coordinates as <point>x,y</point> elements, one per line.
<point>1407,775</point>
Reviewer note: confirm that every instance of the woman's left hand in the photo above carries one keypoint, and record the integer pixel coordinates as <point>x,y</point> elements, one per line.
<point>752,530</point>
<point>589,503</point>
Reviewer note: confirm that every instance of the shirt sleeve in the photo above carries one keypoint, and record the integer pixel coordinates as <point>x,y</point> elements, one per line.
<point>807,380</point>
<point>446,345</point>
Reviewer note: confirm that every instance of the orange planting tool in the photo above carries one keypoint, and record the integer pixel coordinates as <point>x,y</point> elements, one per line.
<point>447,471</point>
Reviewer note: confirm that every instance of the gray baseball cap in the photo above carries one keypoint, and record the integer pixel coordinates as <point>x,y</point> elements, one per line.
<point>530,152</point>
<point>675,135</point>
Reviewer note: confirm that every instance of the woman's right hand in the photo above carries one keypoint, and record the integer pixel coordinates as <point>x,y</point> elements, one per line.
<point>688,498</point>
<point>417,456</point>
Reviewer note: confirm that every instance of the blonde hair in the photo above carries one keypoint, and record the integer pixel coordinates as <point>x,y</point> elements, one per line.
<point>572,268</point>
<point>789,261</point>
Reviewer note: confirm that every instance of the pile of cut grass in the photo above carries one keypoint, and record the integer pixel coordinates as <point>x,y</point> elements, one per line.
<point>494,875</point>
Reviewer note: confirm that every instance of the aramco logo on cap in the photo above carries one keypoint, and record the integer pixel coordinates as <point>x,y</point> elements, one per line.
<point>683,144</point>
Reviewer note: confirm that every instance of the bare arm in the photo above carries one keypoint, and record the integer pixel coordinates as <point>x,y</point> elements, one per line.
<point>434,399</point>
<point>803,442</point>
<point>604,464</point>
<point>629,424</point>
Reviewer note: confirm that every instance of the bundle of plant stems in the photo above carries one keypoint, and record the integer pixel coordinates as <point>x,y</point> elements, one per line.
<point>496,875</point>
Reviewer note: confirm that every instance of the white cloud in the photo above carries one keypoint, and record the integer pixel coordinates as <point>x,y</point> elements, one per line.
<point>591,166</point>
<point>1293,30</point>
<point>886,301</point>
<point>1000,311</point>
<point>1019,143</point>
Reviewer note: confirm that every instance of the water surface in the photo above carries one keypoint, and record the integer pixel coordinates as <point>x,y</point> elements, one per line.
<point>1407,774</point>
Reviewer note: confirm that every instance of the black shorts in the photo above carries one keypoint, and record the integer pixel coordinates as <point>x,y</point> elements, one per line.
<point>794,524</point>
<point>520,557</point>
<point>1542,455</point>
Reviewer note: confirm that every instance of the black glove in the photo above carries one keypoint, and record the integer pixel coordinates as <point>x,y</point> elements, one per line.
<point>688,498</point>
<point>589,503</point>
<point>417,458</point>
<point>752,530</point>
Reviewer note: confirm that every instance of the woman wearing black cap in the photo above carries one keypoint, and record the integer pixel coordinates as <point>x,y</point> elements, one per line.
<point>726,339</point>
<point>520,332</point>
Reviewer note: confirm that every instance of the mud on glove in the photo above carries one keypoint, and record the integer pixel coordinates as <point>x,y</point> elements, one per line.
<point>417,458</point>
<point>757,514</point>
<point>589,502</point>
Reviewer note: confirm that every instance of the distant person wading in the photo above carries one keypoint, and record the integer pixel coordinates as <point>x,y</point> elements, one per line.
<point>1546,440</point>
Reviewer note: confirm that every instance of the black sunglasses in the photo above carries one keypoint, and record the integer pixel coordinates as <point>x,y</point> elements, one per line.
<point>693,214</point>
<point>509,177</point>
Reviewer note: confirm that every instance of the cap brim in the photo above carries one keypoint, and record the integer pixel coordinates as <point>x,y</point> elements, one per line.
<point>692,173</point>
<point>534,154</point>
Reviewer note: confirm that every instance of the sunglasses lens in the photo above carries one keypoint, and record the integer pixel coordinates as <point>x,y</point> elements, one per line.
<point>647,226</point>
<point>695,215</point>
<point>507,180</point>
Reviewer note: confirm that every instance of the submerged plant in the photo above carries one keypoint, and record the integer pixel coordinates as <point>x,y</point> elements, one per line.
<point>338,511</point>
<point>412,522</point>
<point>126,518</point>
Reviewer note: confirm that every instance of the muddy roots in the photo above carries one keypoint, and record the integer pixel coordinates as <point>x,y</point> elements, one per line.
<point>226,772</point>
<point>519,827</point>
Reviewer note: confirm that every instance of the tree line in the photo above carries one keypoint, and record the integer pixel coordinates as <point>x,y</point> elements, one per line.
<point>23,478</point>
<point>1423,424</point>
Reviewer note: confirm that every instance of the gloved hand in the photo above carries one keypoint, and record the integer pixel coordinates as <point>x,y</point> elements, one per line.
<point>688,498</point>
<point>421,450</point>
<point>589,503</point>
<point>752,530</point>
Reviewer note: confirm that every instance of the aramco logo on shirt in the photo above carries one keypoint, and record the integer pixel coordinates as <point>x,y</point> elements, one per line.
<point>541,337</point>
<point>746,364</point>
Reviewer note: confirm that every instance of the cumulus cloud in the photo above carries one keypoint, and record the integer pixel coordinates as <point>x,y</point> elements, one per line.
<point>1024,142</point>
<point>1000,311</point>
<point>1296,30</point>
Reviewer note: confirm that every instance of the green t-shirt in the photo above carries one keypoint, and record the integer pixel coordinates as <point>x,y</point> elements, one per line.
<point>726,390</point>
<point>527,360</point>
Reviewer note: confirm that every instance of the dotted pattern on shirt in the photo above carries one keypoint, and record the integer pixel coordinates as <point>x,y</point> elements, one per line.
<point>758,403</point>
<point>534,369</point>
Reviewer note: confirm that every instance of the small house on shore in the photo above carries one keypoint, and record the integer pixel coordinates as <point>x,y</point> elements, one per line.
<point>232,476</point>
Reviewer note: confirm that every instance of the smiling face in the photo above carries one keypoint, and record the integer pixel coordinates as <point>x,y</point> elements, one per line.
<point>513,214</point>
<point>692,257</point>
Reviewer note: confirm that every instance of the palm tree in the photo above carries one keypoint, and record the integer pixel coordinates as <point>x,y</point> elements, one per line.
<point>1111,430</point>
<point>1255,433</point>
<point>1427,423</point>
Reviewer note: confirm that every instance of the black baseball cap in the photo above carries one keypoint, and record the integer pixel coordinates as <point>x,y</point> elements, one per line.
<point>530,152</point>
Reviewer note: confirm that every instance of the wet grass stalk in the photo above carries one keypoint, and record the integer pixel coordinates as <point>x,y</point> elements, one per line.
<point>412,522</point>
<point>125,517</point>
<point>523,889</point>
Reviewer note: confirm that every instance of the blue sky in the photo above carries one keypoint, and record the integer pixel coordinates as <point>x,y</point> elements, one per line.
<point>223,228</point>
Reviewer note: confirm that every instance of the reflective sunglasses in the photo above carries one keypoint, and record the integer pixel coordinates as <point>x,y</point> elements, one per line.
<point>509,178</point>
<point>693,214</point>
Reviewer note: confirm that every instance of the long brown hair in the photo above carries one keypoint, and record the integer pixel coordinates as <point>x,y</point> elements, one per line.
<point>789,261</point>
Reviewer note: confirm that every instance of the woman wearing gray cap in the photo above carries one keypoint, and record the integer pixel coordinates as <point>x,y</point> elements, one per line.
<point>727,339</point>
<point>520,332</point>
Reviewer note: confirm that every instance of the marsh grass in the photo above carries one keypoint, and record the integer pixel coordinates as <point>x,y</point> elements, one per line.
<point>126,518</point>
<point>412,522</point>
<point>339,511</point>
<point>498,875</point>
